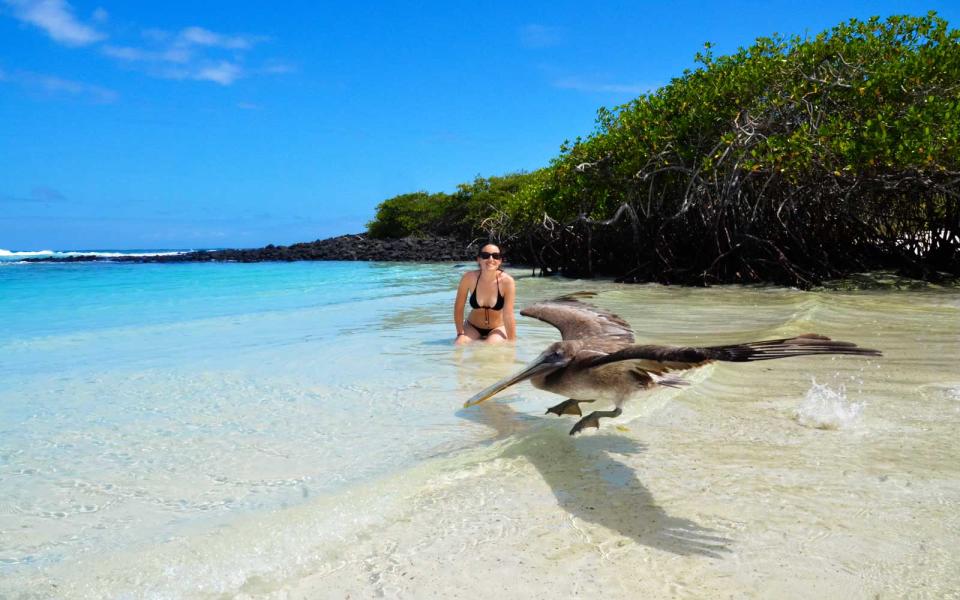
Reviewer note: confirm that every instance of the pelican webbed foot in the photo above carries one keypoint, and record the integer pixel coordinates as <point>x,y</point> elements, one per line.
<point>567,407</point>
<point>593,420</point>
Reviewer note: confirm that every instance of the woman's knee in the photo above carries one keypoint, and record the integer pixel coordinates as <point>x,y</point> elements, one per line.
<point>497,336</point>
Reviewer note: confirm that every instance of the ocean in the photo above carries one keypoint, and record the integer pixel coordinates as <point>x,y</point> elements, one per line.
<point>292,430</point>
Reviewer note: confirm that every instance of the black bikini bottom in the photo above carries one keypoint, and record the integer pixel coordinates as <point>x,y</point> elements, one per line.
<point>484,333</point>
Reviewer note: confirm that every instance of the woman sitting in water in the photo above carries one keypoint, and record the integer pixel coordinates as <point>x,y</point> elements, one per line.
<point>491,318</point>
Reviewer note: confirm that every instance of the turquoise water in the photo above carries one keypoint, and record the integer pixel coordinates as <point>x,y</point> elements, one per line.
<point>294,430</point>
<point>138,402</point>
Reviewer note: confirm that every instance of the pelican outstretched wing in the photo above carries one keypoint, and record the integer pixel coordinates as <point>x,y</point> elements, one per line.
<point>662,359</point>
<point>578,320</point>
<point>653,359</point>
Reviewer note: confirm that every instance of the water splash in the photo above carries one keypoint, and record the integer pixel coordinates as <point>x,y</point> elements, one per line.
<point>826,407</point>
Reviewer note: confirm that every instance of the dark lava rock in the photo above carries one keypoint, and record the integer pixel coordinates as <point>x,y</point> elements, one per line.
<point>344,247</point>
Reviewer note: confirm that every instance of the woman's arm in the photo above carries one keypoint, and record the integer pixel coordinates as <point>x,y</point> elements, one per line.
<point>459,302</point>
<point>510,293</point>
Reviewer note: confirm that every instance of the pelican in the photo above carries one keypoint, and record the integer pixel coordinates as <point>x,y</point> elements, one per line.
<point>598,360</point>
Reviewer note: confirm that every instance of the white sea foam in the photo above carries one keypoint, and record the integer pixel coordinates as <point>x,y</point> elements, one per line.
<point>29,253</point>
<point>10,255</point>
<point>826,407</point>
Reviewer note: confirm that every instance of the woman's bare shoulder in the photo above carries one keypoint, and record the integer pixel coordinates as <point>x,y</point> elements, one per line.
<point>468,276</point>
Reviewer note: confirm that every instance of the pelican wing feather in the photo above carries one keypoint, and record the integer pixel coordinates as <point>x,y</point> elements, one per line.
<point>577,320</point>
<point>655,359</point>
<point>661,359</point>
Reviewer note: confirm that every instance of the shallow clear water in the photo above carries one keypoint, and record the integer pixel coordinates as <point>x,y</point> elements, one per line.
<point>278,429</point>
<point>140,401</point>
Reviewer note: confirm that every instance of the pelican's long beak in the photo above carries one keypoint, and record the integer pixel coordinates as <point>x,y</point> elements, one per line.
<point>533,369</point>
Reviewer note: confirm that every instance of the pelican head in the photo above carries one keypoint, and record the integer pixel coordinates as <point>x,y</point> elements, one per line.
<point>556,356</point>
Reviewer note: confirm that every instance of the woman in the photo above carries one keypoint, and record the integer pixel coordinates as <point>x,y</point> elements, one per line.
<point>491,300</point>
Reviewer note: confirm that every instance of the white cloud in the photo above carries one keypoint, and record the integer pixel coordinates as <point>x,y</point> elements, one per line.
<point>223,73</point>
<point>131,54</point>
<point>56,18</point>
<point>540,36</point>
<point>156,35</point>
<point>127,53</point>
<point>190,38</point>
<point>57,86</point>
<point>191,54</point>
<point>593,86</point>
<point>204,37</point>
<point>275,68</point>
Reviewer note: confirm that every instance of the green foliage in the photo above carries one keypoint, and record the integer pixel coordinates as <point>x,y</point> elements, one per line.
<point>415,214</point>
<point>791,160</point>
<point>886,95</point>
<point>463,213</point>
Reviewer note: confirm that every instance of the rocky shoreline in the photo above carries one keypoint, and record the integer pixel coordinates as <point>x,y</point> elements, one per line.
<point>344,247</point>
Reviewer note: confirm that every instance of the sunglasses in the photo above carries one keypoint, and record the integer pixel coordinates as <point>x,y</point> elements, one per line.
<point>493,255</point>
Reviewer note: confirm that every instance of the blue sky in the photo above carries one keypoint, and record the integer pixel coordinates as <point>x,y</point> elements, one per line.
<point>215,124</point>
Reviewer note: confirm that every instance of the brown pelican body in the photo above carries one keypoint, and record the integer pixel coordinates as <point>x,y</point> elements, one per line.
<point>598,360</point>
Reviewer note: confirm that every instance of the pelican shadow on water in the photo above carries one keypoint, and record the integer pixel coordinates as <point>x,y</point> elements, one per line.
<point>591,483</point>
<point>597,359</point>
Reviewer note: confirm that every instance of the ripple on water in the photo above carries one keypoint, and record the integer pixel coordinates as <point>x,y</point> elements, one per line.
<point>949,392</point>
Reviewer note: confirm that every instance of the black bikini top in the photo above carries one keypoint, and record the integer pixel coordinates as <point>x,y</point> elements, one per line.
<point>473,296</point>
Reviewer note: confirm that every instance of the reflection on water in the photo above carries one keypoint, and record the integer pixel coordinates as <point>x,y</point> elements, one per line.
<point>886,280</point>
